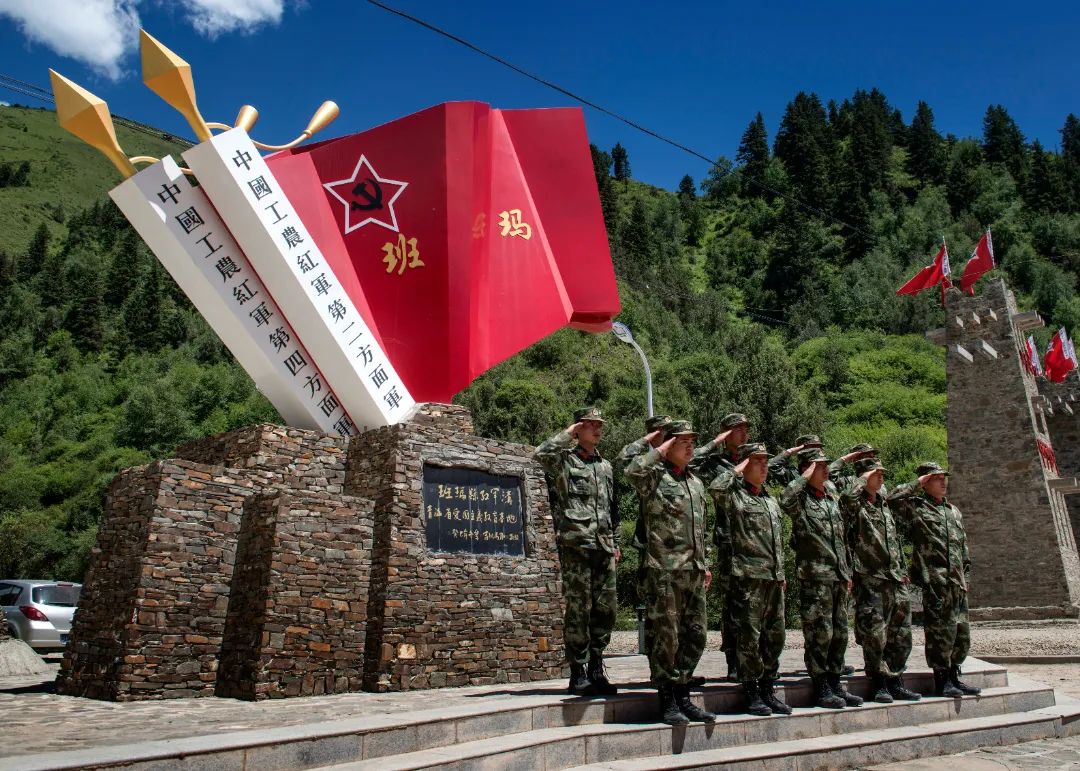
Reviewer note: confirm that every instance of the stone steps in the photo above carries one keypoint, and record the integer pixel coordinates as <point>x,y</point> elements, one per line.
<point>516,713</point>
<point>602,743</point>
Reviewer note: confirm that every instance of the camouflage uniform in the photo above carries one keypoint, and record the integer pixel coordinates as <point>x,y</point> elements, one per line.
<point>757,572</point>
<point>821,564</point>
<point>712,460</point>
<point>939,566</point>
<point>780,469</point>
<point>882,606</point>
<point>677,557</point>
<point>626,455</point>
<point>586,514</point>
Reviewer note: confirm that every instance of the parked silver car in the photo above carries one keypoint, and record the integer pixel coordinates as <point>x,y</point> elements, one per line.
<point>39,612</point>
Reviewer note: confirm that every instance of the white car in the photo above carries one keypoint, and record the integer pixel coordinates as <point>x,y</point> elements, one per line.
<point>39,612</point>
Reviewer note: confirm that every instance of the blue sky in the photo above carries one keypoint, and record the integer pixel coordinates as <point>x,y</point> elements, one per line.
<point>695,71</point>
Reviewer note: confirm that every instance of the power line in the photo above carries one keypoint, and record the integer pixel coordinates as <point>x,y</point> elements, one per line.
<point>36,92</point>
<point>612,114</point>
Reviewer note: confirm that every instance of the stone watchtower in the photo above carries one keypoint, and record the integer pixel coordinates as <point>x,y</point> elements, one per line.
<point>1023,550</point>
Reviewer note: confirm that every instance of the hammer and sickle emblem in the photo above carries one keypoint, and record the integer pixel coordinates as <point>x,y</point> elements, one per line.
<point>374,200</point>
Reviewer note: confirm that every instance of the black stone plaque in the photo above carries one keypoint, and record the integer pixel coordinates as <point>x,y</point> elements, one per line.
<point>473,512</point>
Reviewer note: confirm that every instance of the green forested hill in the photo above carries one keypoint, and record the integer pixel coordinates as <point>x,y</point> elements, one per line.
<point>768,288</point>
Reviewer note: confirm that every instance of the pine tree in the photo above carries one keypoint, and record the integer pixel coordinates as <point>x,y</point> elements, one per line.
<point>690,210</point>
<point>1002,141</point>
<point>961,185</point>
<point>602,170</point>
<point>805,145</point>
<point>926,149</point>
<point>85,318</point>
<point>1070,157</point>
<point>141,313</point>
<point>36,254</point>
<point>753,157</point>
<point>635,245</point>
<point>1044,188</point>
<point>621,162</point>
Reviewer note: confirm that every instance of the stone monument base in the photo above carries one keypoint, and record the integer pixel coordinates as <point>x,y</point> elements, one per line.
<point>272,562</point>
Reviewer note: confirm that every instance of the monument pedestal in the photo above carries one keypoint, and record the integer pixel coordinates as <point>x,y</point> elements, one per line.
<point>272,562</point>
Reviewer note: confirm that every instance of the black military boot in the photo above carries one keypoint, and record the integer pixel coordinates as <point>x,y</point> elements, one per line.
<point>696,681</point>
<point>732,666</point>
<point>824,696</point>
<point>579,683</point>
<point>755,705</point>
<point>847,670</point>
<point>688,708</point>
<point>898,691</point>
<point>964,688</point>
<point>669,710</point>
<point>600,684</point>
<point>770,699</point>
<point>943,685</point>
<point>881,690</point>
<point>841,690</point>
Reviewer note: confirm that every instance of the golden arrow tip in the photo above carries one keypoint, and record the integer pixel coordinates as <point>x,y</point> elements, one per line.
<point>169,76</point>
<point>87,117</point>
<point>326,113</point>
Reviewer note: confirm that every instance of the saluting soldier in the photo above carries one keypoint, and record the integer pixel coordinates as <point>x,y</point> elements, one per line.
<point>841,472</point>
<point>755,527</point>
<point>586,513</point>
<point>824,573</point>
<point>717,457</point>
<point>882,606</point>
<point>678,568</point>
<point>780,468</point>
<point>939,566</point>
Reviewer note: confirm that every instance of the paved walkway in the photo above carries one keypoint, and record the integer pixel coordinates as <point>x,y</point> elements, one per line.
<point>1044,754</point>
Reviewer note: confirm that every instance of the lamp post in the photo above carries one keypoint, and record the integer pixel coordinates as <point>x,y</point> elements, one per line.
<point>622,333</point>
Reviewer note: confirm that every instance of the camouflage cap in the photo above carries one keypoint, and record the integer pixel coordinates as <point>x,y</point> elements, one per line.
<point>868,464</point>
<point>863,448</point>
<point>750,448</point>
<point>930,467</point>
<point>734,419</point>
<point>808,440</point>
<point>657,423</point>
<point>680,428</point>
<point>588,413</point>
<point>811,455</point>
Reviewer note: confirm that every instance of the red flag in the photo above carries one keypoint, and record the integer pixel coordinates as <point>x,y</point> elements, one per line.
<point>982,260</point>
<point>1058,362</point>
<point>933,274</point>
<point>463,234</point>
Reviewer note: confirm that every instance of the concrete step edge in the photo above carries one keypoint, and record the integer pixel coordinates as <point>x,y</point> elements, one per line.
<point>894,744</point>
<point>604,712</point>
<point>727,724</point>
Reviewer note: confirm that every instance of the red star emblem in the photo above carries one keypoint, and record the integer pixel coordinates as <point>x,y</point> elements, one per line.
<point>367,197</point>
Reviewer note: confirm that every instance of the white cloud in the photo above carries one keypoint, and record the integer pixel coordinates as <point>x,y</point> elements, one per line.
<point>99,33</point>
<point>215,17</point>
<point>4,104</point>
<point>102,33</point>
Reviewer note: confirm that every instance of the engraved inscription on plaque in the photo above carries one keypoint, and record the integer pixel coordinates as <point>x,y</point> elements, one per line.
<point>473,512</point>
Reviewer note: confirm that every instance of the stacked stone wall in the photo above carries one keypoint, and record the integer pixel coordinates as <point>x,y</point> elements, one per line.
<point>243,569</point>
<point>1062,402</point>
<point>298,607</point>
<point>454,619</point>
<point>1024,558</point>
<point>152,613</point>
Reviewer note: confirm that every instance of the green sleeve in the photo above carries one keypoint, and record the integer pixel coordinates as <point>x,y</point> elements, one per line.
<point>645,471</point>
<point>790,498</point>
<point>550,451</point>
<point>631,451</point>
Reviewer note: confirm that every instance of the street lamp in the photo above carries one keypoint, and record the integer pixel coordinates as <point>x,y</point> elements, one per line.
<point>622,332</point>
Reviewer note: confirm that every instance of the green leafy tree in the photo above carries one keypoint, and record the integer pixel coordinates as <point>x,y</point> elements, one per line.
<point>926,149</point>
<point>1002,141</point>
<point>804,143</point>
